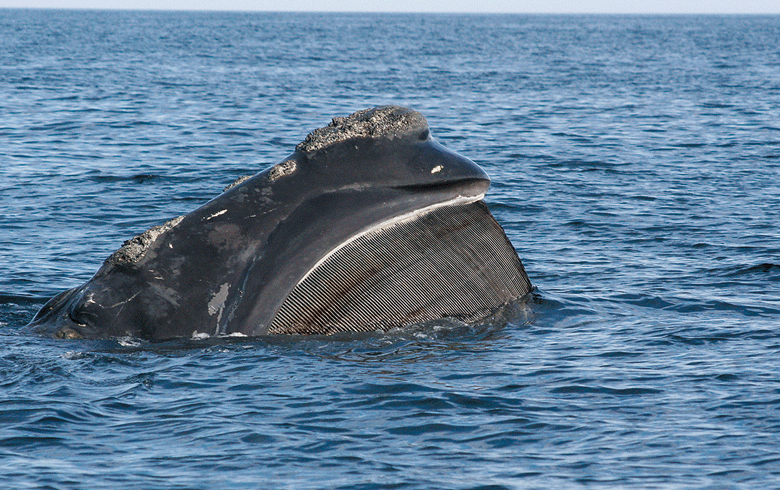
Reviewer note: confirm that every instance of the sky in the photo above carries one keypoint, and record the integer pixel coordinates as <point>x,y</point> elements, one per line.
<point>487,6</point>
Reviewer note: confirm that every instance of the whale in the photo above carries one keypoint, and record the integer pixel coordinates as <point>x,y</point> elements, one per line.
<point>369,225</point>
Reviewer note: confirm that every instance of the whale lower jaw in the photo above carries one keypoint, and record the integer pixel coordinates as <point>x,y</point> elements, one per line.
<point>447,260</point>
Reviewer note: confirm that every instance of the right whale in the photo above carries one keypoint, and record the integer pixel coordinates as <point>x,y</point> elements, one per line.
<point>369,225</point>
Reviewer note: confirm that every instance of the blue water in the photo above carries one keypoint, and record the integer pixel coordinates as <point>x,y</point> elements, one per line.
<point>636,169</point>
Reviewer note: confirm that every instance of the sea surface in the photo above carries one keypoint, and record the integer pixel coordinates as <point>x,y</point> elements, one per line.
<point>636,169</point>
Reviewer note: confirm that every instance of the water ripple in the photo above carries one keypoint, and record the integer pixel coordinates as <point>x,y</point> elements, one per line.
<point>634,167</point>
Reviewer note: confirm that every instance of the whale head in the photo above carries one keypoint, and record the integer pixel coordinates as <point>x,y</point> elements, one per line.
<point>291,249</point>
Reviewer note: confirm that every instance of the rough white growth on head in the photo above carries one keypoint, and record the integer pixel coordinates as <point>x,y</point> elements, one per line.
<point>240,180</point>
<point>135,248</point>
<point>387,121</point>
<point>280,170</point>
<point>437,169</point>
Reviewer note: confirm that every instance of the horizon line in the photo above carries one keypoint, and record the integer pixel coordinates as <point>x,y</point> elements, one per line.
<point>443,12</point>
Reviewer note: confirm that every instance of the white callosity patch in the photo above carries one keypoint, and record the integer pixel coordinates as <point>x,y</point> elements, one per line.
<point>280,170</point>
<point>238,181</point>
<point>379,122</point>
<point>437,169</point>
<point>217,303</point>
<point>135,248</point>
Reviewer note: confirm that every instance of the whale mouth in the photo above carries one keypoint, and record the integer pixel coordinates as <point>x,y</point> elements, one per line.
<point>61,327</point>
<point>394,221</point>
<point>449,260</point>
<point>474,186</point>
<point>66,317</point>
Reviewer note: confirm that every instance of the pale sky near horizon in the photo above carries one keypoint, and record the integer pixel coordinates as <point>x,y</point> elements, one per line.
<point>487,6</point>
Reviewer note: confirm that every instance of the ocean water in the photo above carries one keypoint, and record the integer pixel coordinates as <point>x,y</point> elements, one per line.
<point>636,169</point>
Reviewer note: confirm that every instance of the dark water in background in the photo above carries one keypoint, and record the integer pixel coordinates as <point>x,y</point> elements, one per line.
<point>636,168</point>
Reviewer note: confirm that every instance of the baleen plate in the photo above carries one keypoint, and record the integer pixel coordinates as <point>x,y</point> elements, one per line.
<point>454,261</point>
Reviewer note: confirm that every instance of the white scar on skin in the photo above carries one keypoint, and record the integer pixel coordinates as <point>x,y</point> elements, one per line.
<point>219,213</point>
<point>437,169</point>
<point>217,303</point>
<point>131,298</point>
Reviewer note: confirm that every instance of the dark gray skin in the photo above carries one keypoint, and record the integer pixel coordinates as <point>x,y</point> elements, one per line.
<point>226,267</point>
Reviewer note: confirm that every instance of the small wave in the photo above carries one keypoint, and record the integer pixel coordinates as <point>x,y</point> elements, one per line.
<point>235,132</point>
<point>717,105</point>
<point>644,198</point>
<point>446,332</point>
<point>523,207</point>
<point>740,274</point>
<point>55,127</point>
<point>589,165</point>
<point>643,300</point>
<point>763,268</point>
<point>138,178</point>
<point>585,389</point>
<point>20,299</point>
<point>700,306</point>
